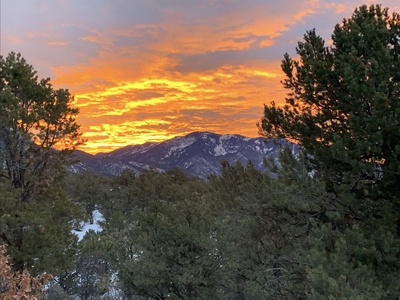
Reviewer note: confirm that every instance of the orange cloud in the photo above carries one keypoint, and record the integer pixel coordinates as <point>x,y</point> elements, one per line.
<point>150,81</point>
<point>153,109</point>
<point>150,70</point>
<point>56,43</point>
<point>90,38</point>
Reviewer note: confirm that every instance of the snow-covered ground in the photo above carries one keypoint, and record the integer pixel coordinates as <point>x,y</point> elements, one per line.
<point>97,217</point>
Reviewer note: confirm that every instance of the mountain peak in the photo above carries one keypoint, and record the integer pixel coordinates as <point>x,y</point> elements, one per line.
<point>197,153</point>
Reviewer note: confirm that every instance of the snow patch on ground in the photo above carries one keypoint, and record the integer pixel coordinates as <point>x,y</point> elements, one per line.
<point>97,217</point>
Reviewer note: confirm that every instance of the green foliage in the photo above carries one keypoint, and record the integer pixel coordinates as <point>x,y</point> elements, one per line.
<point>38,232</point>
<point>35,215</point>
<point>160,240</point>
<point>130,192</point>
<point>342,104</point>
<point>173,253</point>
<point>35,119</point>
<point>343,108</point>
<point>263,232</point>
<point>358,263</point>
<point>88,189</point>
<point>91,276</point>
<point>242,235</point>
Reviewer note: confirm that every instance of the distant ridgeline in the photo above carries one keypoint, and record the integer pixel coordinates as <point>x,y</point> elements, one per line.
<point>198,154</point>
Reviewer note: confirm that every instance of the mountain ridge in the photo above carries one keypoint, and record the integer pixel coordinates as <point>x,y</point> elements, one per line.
<point>198,153</point>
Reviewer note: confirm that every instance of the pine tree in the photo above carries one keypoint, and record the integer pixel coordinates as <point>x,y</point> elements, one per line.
<point>342,104</point>
<point>343,107</point>
<point>38,131</point>
<point>158,236</point>
<point>35,118</point>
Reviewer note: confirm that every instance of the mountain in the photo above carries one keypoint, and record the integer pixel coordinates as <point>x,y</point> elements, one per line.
<point>198,154</point>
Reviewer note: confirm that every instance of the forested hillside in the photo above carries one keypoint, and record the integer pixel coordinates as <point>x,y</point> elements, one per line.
<point>168,235</point>
<point>322,225</point>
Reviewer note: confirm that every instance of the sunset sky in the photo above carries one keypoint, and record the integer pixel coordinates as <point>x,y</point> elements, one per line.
<point>149,70</point>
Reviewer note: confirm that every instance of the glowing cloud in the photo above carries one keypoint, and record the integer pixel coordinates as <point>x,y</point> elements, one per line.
<point>150,70</point>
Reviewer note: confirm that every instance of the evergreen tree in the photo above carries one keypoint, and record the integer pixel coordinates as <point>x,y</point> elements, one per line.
<point>35,118</point>
<point>35,214</point>
<point>91,277</point>
<point>343,108</point>
<point>88,189</point>
<point>343,100</point>
<point>158,236</point>
<point>263,228</point>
